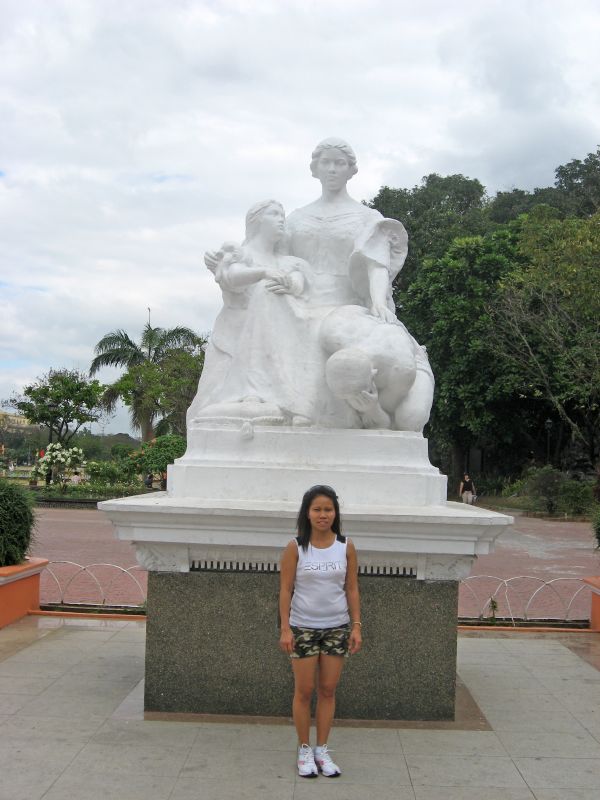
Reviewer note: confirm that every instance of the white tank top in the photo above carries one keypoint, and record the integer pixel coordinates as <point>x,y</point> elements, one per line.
<point>319,599</point>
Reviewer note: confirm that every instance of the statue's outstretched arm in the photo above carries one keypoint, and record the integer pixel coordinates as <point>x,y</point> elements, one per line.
<point>378,289</point>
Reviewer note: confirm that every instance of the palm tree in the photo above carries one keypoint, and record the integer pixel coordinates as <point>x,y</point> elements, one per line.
<point>117,349</point>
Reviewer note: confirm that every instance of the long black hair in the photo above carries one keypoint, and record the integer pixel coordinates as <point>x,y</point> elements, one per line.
<point>303,525</point>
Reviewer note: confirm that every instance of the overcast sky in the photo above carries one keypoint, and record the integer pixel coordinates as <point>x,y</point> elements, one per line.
<point>135,134</point>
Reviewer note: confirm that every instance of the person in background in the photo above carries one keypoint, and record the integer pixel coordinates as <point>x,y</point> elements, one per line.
<point>149,480</point>
<point>75,478</point>
<point>467,489</point>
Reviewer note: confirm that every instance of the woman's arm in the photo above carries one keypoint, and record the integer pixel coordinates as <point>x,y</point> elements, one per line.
<point>238,276</point>
<point>379,279</point>
<point>287,576</point>
<point>353,598</point>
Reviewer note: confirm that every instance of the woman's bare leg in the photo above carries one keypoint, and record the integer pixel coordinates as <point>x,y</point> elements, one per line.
<point>330,669</point>
<point>304,685</point>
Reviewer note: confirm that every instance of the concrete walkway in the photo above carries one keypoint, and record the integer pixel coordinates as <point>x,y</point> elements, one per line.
<point>71,726</point>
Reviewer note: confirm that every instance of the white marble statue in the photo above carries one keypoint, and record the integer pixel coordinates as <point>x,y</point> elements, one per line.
<point>308,334</point>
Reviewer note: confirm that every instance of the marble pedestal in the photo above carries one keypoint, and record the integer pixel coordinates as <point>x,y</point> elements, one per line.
<point>212,544</point>
<point>222,655</point>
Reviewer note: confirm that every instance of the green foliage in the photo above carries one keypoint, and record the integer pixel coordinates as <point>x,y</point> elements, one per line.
<point>155,456</point>
<point>22,443</point>
<point>596,523</point>
<point>63,401</point>
<point>514,488</point>
<point>434,213</point>
<point>110,473</point>
<point>490,485</point>
<point>579,183</point>
<point>100,447</point>
<point>575,497</point>
<point>16,524</point>
<point>508,206</point>
<point>446,309</point>
<point>543,486</point>
<point>547,320</point>
<point>91,490</point>
<point>121,451</point>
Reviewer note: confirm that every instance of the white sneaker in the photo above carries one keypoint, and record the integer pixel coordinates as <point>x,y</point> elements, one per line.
<point>324,762</point>
<point>306,762</point>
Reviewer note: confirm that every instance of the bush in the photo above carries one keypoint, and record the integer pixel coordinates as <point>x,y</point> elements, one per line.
<point>543,485</point>
<point>109,473</point>
<point>16,524</point>
<point>575,497</point>
<point>91,490</point>
<point>550,490</point>
<point>514,488</point>
<point>155,456</point>
<point>596,523</point>
<point>489,484</point>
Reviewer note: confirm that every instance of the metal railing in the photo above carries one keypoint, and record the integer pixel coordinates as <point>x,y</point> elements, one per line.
<point>66,582</point>
<point>481,597</point>
<point>524,598</point>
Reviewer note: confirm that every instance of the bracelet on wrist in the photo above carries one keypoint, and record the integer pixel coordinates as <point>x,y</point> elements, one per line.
<point>357,622</point>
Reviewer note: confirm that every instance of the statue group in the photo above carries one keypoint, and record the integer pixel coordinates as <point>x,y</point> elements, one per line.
<point>308,334</point>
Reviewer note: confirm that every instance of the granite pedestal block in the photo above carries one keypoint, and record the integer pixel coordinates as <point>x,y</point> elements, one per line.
<point>212,647</point>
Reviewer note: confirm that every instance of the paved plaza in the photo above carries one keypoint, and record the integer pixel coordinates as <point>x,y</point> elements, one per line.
<point>72,726</point>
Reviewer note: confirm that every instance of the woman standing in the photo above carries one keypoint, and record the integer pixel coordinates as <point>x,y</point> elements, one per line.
<point>467,489</point>
<point>320,620</point>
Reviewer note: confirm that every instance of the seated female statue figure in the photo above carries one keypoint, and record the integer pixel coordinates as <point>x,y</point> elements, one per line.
<point>353,252</point>
<point>251,365</point>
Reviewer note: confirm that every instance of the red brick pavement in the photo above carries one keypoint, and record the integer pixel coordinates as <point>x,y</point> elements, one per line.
<point>85,537</point>
<point>541,549</point>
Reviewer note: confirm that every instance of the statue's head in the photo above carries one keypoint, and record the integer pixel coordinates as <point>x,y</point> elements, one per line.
<point>333,143</point>
<point>268,212</point>
<point>349,372</point>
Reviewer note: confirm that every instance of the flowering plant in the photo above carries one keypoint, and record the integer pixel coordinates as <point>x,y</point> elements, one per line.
<point>60,461</point>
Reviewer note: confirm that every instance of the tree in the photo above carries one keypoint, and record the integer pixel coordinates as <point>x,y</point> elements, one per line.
<point>155,456</point>
<point>148,364</point>
<point>446,308</point>
<point>579,182</point>
<point>62,401</point>
<point>547,320</point>
<point>508,206</point>
<point>434,213</point>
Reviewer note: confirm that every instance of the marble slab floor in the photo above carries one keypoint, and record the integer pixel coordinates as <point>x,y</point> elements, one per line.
<point>72,726</point>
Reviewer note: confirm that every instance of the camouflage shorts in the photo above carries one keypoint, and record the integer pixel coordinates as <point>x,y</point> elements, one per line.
<point>313,641</point>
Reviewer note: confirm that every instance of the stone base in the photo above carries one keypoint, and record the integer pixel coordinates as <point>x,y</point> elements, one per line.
<point>265,465</point>
<point>212,648</point>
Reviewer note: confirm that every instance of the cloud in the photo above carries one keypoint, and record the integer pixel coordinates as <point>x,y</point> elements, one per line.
<point>135,136</point>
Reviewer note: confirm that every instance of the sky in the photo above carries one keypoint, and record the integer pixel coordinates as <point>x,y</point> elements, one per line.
<point>134,135</point>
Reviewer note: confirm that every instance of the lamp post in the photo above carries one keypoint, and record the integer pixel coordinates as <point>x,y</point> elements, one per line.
<point>548,426</point>
<point>52,407</point>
